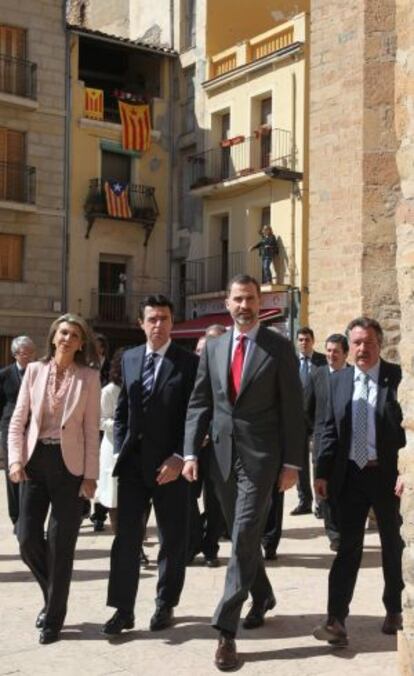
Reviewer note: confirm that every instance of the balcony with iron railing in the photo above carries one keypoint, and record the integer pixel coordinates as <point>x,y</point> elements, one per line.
<point>285,37</point>
<point>142,204</point>
<point>17,183</point>
<point>211,274</point>
<point>18,78</point>
<point>242,157</point>
<point>115,308</point>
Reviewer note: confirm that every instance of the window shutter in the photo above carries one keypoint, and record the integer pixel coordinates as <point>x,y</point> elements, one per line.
<point>11,257</point>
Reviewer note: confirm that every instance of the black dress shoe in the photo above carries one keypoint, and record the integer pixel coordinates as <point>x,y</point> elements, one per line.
<point>392,623</point>
<point>98,526</point>
<point>120,620</point>
<point>48,635</point>
<point>40,619</point>
<point>301,509</point>
<point>255,616</point>
<point>162,618</point>
<point>226,657</point>
<point>212,562</point>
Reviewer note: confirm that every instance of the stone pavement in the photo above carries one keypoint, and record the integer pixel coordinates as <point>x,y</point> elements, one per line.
<point>284,646</point>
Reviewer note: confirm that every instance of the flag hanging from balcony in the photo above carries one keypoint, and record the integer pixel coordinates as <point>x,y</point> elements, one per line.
<point>94,103</point>
<point>117,199</point>
<point>136,126</point>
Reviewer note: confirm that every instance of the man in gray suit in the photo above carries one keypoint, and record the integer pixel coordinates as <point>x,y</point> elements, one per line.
<point>248,389</point>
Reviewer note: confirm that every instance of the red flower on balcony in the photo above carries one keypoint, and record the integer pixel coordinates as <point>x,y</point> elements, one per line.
<point>228,142</point>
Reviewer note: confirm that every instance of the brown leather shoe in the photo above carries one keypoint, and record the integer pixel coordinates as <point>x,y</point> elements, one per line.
<point>392,623</point>
<point>332,631</point>
<point>226,657</point>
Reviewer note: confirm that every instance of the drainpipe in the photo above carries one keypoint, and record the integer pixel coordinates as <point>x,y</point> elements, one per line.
<point>292,266</point>
<point>66,168</point>
<point>171,148</point>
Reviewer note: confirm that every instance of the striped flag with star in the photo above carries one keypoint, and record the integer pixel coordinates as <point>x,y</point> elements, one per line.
<point>93,103</point>
<point>136,126</point>
<point>117,199</point>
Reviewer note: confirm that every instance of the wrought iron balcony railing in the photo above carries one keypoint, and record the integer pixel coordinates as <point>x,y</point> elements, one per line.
<point>209,275</point>
<point>17,183</point>
<point>242,156</point>
<point>115,307</point>
<point>18,77</point>
<point>141,200</point>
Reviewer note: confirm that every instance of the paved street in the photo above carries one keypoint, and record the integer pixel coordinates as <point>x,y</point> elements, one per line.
<point>284,646</point>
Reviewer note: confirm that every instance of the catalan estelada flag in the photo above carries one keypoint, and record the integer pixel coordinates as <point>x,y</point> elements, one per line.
<point>117,199</point>
<point>94,103</point>
<point>136,126</point>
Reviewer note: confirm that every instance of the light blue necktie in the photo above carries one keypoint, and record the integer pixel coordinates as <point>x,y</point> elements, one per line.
<point>303,370</point>
<point>361,424</point>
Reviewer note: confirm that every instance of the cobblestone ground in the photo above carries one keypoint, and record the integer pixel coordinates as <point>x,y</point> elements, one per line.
<point>284,646</point>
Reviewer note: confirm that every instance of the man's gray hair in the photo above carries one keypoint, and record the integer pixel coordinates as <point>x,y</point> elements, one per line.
<point>215,330</point>
<point>19,342</point>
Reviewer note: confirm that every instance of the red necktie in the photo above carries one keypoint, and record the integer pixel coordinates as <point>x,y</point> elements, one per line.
<point>236,368</point>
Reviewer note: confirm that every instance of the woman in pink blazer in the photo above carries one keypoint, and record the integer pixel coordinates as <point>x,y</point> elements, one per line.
<point>54,454</point>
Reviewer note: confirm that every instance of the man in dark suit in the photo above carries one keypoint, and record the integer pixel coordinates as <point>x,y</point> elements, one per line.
<point>23,350</point>
<point>357,468</point>
<point>158,378</point>
<point>316,404</point>
<point>248,390</point>
<point>309,361</point>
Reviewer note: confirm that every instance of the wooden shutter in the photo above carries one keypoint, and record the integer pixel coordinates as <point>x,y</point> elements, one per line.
<point>11,257</point>
<point>12,57</point>
<point>12,165</point>
<point>5,353</point>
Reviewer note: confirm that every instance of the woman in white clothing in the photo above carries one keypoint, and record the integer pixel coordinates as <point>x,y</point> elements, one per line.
<point>107,486</point>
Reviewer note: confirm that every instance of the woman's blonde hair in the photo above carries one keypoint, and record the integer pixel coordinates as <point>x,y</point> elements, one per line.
<point>87,354</point>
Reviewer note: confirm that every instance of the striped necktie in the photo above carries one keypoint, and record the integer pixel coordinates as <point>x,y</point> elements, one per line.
<point>147,380</point>
<point>361,424</point>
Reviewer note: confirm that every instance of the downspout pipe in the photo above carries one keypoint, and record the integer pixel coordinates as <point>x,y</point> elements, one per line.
<point>67,165</point>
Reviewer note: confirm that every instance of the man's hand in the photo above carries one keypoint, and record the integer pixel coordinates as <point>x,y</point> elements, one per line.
<point>169,470</point>
<point>321,488</point>
<point>17,473</point>
<point>399,486</point>
<point>87,489</point>
<point>190,470</point>
<point>288,477</point>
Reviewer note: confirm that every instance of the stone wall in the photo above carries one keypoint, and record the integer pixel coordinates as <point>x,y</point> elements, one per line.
<point>404,117</point>
<point>27,306</point>
<point>353,176</point>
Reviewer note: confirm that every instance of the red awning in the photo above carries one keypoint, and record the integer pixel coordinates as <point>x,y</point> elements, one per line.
<point>195,328</point>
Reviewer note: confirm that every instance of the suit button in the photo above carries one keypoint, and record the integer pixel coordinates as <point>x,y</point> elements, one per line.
<point>139,437</point>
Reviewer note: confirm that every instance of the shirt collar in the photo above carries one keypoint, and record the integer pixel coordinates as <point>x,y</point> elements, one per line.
<point>161,350</point>
<point>373,372</point>
<point>251,335</point>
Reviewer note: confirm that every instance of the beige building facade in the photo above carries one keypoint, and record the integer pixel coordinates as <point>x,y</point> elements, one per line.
<point>33,130</point>
<point>114,260</point>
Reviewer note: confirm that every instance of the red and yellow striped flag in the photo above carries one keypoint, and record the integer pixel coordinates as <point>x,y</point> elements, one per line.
<point>93,103</point>
<point>136,126</point>
<point>117,199</point>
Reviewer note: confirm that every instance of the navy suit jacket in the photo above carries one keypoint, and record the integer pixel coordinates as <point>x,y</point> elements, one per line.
<point>157,432</point>
<point>337,432</point>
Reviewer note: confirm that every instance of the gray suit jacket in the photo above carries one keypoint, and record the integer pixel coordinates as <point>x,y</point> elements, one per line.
<point>266,424</point>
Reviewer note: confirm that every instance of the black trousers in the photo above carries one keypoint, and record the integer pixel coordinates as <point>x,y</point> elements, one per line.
<point>304,483</point>
<point>245,507</point>
<point>364,489</point>
<point>171,507</point>
<point>273,529</point>
<point>206,528</point>
<point>50,485</point>
<point>12,490</point>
